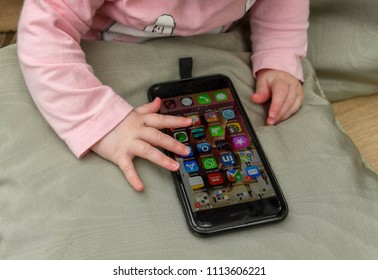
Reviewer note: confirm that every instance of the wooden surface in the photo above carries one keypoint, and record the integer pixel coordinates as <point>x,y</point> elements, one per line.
<point>359,118</point>
<point>9,13</point>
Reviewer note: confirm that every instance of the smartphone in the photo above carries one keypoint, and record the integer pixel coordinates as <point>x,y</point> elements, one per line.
<point>226,182</point>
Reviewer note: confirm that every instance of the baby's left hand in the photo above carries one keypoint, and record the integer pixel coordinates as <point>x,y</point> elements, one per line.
<point>285,91</point>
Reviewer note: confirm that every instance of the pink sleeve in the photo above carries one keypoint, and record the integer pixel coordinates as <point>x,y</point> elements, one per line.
<point>74,102</point>
<point>279,35</point>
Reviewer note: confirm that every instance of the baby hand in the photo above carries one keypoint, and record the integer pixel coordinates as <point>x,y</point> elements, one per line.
<point>138,135</point>
<point>285,91</point>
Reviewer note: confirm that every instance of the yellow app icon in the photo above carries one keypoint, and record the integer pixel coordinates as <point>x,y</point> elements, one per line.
<point>234,128</point>
<point>196,182</point>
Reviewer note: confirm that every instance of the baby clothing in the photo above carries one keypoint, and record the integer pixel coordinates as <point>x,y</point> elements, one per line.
<point>78,106</point>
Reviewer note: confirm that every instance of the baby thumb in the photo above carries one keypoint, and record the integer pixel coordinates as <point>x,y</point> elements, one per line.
<point>262,92</point>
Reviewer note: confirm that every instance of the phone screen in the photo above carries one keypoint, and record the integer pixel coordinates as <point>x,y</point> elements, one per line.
<point>225,176</point>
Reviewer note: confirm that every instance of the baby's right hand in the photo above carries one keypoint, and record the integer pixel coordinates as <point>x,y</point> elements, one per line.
<point>137,135</point>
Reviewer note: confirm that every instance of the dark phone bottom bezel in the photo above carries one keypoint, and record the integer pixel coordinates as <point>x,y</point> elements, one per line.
<point>223,225</point>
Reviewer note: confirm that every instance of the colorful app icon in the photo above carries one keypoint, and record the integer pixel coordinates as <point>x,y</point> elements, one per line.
<point>228,114</point>
<point>221,96</point>
<point>239,142</point>
<point>228,159</point>
<point>196,182</point>
<point>211,117</point>
<point>191,166</point>
<point>209,163</point>
<point>215,178</point>
<point>204,148</point>
<point>169,104</point>
<point>234,128</point>
<point>190,153</point>
<point>180,136</point>
<point>222,145</point>
<point>246,156</point>
<point>216,130</point>
<point>220,195</point>
<point>253,171</point>
<point>234,175</point>
<point>196,121</point>
<point>186,101</point>
<point>201,200</point>
<point>203,98</point>
<point>242,195</point>
<point>198,133</point>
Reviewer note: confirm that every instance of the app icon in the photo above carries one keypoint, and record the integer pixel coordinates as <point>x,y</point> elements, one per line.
<point>216,130</point>
<point>191,166</point>
<point>209,163</point>
<point>196,182</point>
<point>246,156</point>
<point>239,142</point>
<point>196,121</point>
<point>186,101</point>
<point>215,178</point>
<point>198,133</point>
<point>221,194</point>
<point>253,171</point>
<point>242,195</point>
<point>190,153</point>
<point>201,200</point>
<point>234,128</point>
<point>211,117</point>
<point>228,159</point>
<point>234,175</point>
<point>203,98</point>
<point>169,104</point>
<point>228,114</point>
<point>221,96</point>
<point>180,136</point>
<point>204,147</point>
<point>222,145</point>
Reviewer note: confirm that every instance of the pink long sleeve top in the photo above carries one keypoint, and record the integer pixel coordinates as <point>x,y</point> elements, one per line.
<point>78,106</point>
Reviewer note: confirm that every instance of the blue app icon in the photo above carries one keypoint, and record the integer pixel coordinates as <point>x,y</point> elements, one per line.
<point>253,171</point>
<point>228,159</point>
<point>204,148</point>
<point>198,133</point>
<point>191,166</point>
<point>228,114</point>
<point>190,153</point>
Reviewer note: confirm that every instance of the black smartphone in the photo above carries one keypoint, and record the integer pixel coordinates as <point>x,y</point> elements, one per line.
<point>226,182</point>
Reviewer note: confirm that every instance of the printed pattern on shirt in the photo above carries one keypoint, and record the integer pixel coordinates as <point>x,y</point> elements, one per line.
<point>163,26</point>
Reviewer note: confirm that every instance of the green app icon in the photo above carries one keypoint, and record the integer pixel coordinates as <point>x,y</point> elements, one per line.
<point>216,130</point>
<point>221,96</point>
<point>209,163</point>
<point>234,175</point>
<point>181,136</point>
<point>203,98</point>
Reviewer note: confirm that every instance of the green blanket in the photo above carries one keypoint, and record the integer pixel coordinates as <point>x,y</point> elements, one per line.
<point>54,206</point>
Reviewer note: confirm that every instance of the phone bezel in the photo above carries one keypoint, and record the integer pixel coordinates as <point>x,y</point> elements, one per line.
<point>203,84</point>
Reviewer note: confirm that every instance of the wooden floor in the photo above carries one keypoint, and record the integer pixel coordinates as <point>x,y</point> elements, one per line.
<point>359,118</point>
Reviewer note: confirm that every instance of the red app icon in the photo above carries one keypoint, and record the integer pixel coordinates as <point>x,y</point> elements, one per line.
<point>195,119</point>
<point>169,104</point>
<point>215,178</point>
